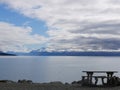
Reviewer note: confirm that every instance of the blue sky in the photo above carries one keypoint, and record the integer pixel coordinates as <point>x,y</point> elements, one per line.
<point>11,16</point>
<point>60,25</point>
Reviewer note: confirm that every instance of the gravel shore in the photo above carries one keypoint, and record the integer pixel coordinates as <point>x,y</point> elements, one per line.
<point>50,86</point>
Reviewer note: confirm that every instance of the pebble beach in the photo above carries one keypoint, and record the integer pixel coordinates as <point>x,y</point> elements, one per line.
<point>49,86</point>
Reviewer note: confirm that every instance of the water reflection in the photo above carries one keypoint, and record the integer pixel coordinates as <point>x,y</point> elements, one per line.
<point>46,69</point>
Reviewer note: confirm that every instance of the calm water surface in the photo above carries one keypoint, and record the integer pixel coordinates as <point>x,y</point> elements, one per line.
<point>46,69</point>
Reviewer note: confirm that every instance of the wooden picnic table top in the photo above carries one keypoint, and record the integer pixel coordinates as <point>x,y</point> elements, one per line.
<point>100,71</point>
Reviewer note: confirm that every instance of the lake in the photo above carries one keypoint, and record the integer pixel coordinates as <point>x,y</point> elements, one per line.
<point>53,68</point>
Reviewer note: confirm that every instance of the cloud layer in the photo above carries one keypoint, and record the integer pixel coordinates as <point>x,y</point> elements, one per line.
<point>14,38</point>
<point>75,24</point>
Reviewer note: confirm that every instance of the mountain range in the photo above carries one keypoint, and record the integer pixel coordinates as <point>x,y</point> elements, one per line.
<point>61,53</point>
<point>75,53</point>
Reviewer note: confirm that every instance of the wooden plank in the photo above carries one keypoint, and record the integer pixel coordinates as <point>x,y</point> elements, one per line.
<point>97,76</point>
<point>100,71</point>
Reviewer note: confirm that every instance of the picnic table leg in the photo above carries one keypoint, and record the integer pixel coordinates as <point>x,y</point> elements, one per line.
<point>83,78</point>
<point>89,74</point>
<point>103,81</point>
<point>96,80</point>
<point>109,76</point>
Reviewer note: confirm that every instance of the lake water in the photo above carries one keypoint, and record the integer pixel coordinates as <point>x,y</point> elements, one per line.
<point>53,68</point>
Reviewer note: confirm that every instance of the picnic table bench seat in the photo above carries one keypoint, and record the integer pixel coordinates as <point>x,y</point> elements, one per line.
<point>96,79</point>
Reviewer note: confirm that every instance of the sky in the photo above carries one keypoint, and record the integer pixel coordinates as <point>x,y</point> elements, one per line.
<point>59,25</point>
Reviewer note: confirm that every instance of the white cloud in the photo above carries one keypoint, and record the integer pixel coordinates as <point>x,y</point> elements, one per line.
<point>79,24</point>
<point>15,38</point>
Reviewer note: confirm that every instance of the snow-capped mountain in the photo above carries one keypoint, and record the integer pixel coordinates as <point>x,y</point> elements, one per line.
<point>43,52</point>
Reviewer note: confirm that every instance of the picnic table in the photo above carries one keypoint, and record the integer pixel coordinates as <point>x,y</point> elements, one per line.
<point>90,76</point>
